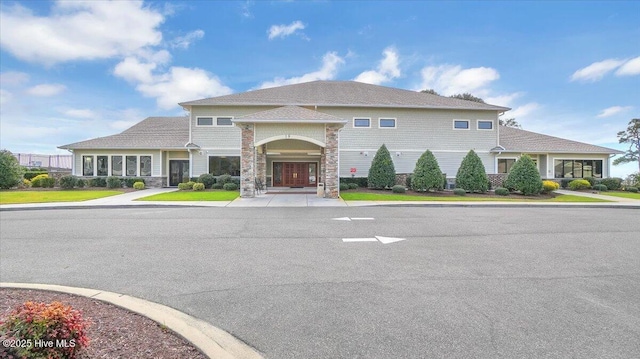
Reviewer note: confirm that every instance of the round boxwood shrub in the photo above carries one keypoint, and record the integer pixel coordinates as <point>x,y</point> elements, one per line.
<point>550,186</point>
<point>353,186</point>
<point>344,186</point>
<point>81,183</point>
<point>612,183</point>
<point>591,180</point>
<point>225,178</point>
<point>138,185</point>
<point>207,179</point>
<point>184,186</point>
<point>472,175</point>
<point>632,189</point>
<point>129,181</point>
<point>68,182</point>
<point>524,177</point>
<point>501,191</point>
<point>11,173</point>
<point>459,192</point>
<point>190,184</point>
<point>579,184</point>
<point>398,189</point>
<point>230,186</point>
<point>217,185</point>
<point>38,180</point>
<point>114,182</point>
<point>198,186</point>
<point>99,182</point>
<point>600,187</point>
<point>382,173</point>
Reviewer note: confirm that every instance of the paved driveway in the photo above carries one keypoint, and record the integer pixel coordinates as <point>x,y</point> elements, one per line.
<point>464,282</point>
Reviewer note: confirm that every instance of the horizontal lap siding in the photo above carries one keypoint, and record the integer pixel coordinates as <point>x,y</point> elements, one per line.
<point>201,161</point>
<point>155,158</point>
<point>264,131</point>
<point>219,136</point>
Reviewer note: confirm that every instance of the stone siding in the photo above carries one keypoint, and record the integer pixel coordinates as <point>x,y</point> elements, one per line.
<point>247,171</point>
<point>332,179</point>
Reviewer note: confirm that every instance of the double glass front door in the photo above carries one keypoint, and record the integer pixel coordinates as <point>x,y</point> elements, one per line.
<point>178,172</point>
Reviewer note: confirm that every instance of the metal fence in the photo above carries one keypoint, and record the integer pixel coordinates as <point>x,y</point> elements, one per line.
<point>50,162</point>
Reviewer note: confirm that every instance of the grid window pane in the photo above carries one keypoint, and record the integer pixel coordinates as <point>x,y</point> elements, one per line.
<point>361,122</point>
<point>145,165</point>
<point>463,125</point>
<point>116,165</point>
<point>132,166</point>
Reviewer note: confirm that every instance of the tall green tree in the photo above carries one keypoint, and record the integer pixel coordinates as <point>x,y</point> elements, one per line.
<point>524,177</point>
<point>510,122</point>
<point>382,173</point>
<point>10,170</point>
<point>427,174</point>
<point>467,96</point>
<point>631,136</point>
<point>472,175</point>
<point>431,91</point>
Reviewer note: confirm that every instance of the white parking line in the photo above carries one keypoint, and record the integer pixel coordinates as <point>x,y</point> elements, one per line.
<point>359,240</point>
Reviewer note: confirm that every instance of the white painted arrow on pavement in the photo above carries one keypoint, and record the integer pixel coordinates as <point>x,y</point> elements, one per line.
<point>342,219</point>
<point>383,240</point>
<point>387,240</point>
<point>353,219</point>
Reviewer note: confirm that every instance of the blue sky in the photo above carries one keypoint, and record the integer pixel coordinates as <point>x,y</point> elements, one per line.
<point>75,70</point>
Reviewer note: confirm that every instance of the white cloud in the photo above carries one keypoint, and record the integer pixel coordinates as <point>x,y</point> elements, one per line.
<point>596,70</point>
<point>80,113</point>
<point>328,71</point>
<point>183,42</point>
<point>284,30</point>
<point>5,96</point>
<point>521,112</point>
<point>134,71</point>
<point>630,68</point>
<point>13,78</point>
<point>503,100</point>
<point>614,110</point>
<point>46,90</point>
<point>386,71</point>
<point>245,9</point>
<point>78,30</point>
<point>450,80</point>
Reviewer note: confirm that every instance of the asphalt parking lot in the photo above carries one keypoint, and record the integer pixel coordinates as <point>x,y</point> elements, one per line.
<point>378,282</point>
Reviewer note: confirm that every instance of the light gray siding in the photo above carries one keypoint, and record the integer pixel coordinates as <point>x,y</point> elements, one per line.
<point>155,158</point>
<point>219,136</point>
<point>265,131</point>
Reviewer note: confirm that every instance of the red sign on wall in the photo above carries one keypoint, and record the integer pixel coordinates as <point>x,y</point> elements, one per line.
<point>353,170</point>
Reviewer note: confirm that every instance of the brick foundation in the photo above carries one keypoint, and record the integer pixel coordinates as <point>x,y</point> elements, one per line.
<point>497,179</point>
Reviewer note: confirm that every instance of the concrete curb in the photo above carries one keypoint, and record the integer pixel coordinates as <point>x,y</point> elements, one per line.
<point>212,341</point>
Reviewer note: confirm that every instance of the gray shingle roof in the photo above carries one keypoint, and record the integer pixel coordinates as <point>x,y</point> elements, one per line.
<point>290,114</point>
<point>151,133</point>
<point>517,140</point>
<point>342,93</point>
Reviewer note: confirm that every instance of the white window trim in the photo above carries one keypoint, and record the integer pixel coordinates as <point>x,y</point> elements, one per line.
<point>453,125</point>
<point>504,158</point>
<point>353,123</point>
<point>213,121</point>
<point>605,163</point>
<point>395,123</point>
<point>110,164</point>
<point>485,129</point>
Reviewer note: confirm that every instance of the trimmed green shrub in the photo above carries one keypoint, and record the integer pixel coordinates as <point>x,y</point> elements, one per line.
<point>361,181</point>
<point>194,179</point>
<point>190,184</point>
<point>501,191</point>
<point>138,185</point>
<point>591,180</point>
<point>612,183</point>
<point>225,178</point>
<point>230,186</point>
<point>11,173</point>
<point>398,189</point>
<point>382,173</point>
<point>524,177</point>
<point>81,183</point>
<point>564,183</point>
<point>54,322</point>
<point>459,192</point>
<point>198,186</point>
<point>600,187</point>
<point>30,174</point>
<point>344,186</point>
<point>407,180</point>
<point>129,181</point>
<point>427,174</point>
<point>353,185</point>
<point>579,184</point>
<point>48,182</point>
<point>217,185</point>
<point>632,189</point>
<point>471,175</point>
<point>68,182</point>
<point>26,183</point>
<point>37,181</point>
<point>207,179</point>
<point>184,186</point>
<point>550,186</point>
<point>114,182</point>
<point>99,182</point>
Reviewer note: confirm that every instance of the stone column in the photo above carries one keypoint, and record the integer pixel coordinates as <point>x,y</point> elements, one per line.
<point>332,176</point>
<point>322,178</point>
<point>261,164</point>
<point>247,162</point>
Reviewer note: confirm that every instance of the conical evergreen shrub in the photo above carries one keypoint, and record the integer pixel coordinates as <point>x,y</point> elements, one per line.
<point>524,177</point>
<point>471,175</point>
<point>427,174</point>
<point>382,173</point>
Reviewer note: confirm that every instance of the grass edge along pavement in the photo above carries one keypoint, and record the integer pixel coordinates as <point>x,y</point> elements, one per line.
<point>193,196</point>
<point>407,197</point>
<point>621,194</point>
<point>20,197</point>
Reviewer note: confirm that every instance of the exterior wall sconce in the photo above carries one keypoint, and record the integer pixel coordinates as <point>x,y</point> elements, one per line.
<point>398,154</point>
<point>364,153</point>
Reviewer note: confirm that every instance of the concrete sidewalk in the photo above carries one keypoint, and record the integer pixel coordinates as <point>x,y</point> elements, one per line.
<point>599,195</point>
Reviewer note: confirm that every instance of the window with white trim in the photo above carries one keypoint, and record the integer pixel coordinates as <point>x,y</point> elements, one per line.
<point>224,121</point>
<point>485,125</point>
<point>102,166</point>
<point>145,165</point>
<point>505,164</point>
<point>460,124</point>
<point>204,121</point>
<point>132,166</point>
<point>116,165</point>
<point>362,122</point>
<point>387,123</point>
<point>87,165</point>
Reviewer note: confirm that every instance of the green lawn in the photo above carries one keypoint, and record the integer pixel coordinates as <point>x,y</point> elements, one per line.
<point>622,194</point>
<point>13,197</point>
<point>359,196</point>
<point>193,196</point>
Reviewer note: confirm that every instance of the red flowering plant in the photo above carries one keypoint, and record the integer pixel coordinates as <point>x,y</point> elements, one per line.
<point>41,330</point>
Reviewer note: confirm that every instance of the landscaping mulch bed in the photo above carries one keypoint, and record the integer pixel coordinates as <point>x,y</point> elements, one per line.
<point>448,193</point>
<point>113,332</point>
<point>40,189</point>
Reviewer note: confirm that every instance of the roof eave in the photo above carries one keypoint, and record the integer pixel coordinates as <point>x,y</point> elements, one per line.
<point>493,108</point>
<point>249,120</point>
